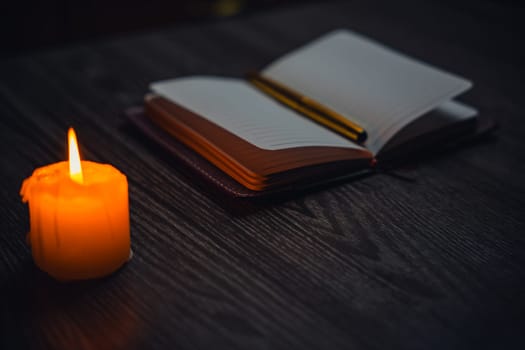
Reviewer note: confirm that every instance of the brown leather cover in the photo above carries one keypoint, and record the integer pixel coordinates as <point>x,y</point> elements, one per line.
<point>212,175</point>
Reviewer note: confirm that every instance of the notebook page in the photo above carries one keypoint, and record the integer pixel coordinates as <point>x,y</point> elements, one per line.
<point>446,114</point>
<point>368,83</point>
<point>238,107</point>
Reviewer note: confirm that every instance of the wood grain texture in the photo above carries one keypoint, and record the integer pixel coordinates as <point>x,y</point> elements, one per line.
<point>378,263</point>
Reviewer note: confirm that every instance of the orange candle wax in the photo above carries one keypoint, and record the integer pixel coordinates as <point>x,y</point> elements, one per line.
<point>79,217</point>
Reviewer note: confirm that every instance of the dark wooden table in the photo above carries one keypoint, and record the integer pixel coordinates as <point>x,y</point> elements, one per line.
<point>378,263</point>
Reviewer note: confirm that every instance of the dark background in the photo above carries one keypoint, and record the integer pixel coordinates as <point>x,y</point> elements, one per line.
<point>38,24</point>
<point>34,25</point>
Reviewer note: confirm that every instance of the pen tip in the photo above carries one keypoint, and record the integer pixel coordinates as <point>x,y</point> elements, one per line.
<point>362,137</point>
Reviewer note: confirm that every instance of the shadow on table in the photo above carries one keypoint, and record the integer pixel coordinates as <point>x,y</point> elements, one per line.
<point>63,316</point>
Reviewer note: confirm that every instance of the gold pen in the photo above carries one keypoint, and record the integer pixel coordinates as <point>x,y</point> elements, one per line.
<point>312,109</point>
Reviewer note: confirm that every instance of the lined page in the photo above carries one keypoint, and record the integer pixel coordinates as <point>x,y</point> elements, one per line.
<point>248,113</point>
<point>376,87</point>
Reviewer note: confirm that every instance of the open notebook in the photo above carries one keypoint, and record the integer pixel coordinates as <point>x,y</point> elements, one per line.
<point>262,144</point>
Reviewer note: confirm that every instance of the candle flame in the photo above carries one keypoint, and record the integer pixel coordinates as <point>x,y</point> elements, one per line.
<point>75,168</point>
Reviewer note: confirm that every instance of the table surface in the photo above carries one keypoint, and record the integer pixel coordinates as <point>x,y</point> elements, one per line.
<point>432,258</point>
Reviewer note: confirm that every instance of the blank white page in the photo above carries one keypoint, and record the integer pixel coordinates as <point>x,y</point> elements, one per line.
<point>367,82</point>
<point>238,107</point>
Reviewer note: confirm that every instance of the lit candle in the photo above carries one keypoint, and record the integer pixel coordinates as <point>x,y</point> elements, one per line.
<point>79,217</point>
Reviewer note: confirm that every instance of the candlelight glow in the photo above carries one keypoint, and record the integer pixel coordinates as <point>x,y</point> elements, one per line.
<point>75,168</point>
